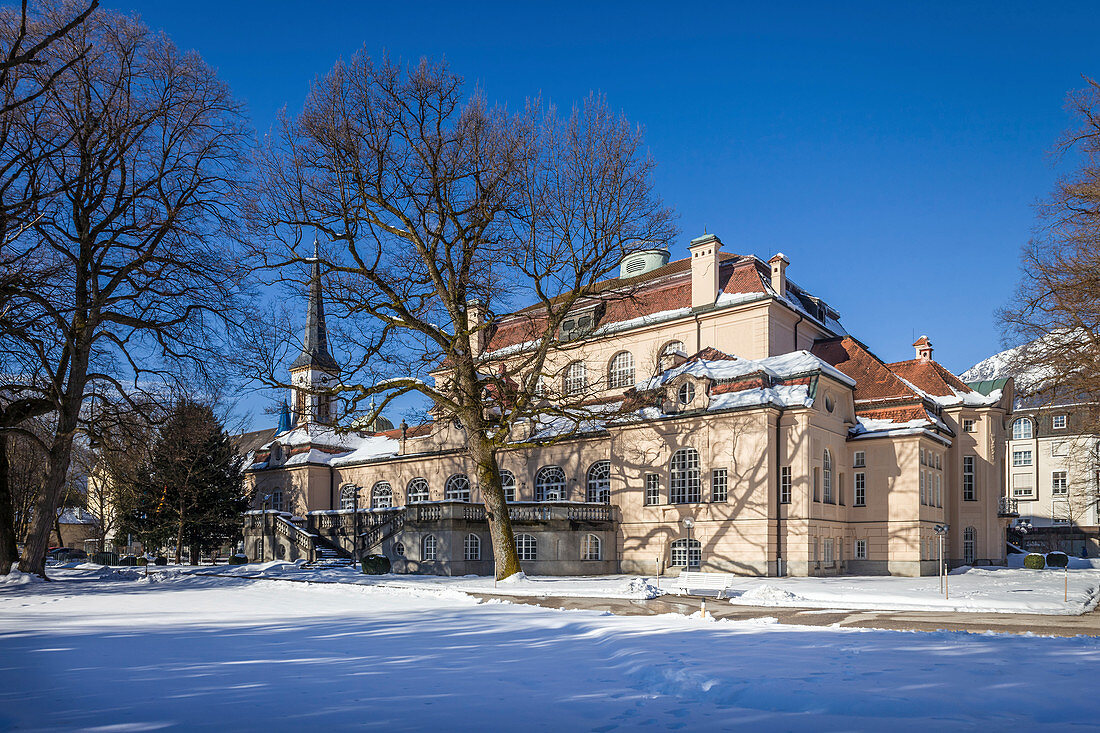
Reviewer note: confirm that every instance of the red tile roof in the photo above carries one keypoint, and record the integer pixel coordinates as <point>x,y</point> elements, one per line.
<point>874,379</point>
<point>928,375</point>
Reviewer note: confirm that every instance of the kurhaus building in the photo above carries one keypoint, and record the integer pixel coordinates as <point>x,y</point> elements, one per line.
<point>754,435</point>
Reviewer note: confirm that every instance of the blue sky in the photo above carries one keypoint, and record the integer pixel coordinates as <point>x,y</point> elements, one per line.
<point>894,152</point>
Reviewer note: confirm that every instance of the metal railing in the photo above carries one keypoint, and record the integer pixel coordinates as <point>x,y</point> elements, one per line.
<point>1008,507</point>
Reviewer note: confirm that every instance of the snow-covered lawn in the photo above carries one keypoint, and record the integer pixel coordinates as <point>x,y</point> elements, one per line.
<point>183,651</point>
<point>986,590</point>
<point>599,586</point>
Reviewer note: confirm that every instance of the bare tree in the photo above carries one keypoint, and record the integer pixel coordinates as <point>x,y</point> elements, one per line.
<point>440,216</point>
<point>1056,310</point>
<point>149,144</point>
<point>28,69</point>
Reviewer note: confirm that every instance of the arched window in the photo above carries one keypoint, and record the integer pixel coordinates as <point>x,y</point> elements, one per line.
<point>472,547</point>
<point>684,486</point>
<point>417,490</point>
<point>687,553</point>
<point>827,476</point>
<point>969,543</point>
<point>550,484</point>
<point>1022,429</point>
<point>381,496</point>
<point>599,483</point>
<point>428,547</point>
<point>348,497</point>
<point>575,378</point>
<point>508,482</point>
<point>526,547</point>
<point>671,350</point>
<point>591,548</point>
<point>620,371</point>
<point>277,500</point>
<point>457,488</point>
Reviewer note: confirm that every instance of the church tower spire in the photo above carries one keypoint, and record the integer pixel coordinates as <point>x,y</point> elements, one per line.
<point>313,371</point>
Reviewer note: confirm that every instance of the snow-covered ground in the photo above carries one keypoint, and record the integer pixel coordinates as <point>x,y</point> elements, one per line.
<point>600,586</point>
<point>184,651</point>
<point>985,590</point>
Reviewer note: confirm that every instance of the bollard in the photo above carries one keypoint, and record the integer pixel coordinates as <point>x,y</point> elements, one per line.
<point>703,607</point>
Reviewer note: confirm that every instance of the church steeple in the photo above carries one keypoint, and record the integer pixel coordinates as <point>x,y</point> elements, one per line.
<point>315,353</point>
<point>312,373</point>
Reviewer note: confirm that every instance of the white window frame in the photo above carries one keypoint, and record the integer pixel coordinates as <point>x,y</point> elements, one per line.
<point>418,490</point>
<point>598,483</point>
<point>785,485</point>
<point>686,553</point>
<point>575,378</point>
<point>620,371</point>
<point>1022,458</point>
<point>457,488</point>
<point>471,547</point>
<point>860,493</point>
<point>381,495</point>
<point>684,485</point>
<point>1023,428</point>
<point>1059,483</point>
<point>827,477</point>
<point>861,550</point>
<point>1058,422</point>
<point>348,498</point>
<point>508,483</point>
<point>719,485</point>
<point>652,489</point>
<point>277,500</point>
<point>859,460</point>
<point>591,547</point>
<point>968,425</point>
<point>969,479</point>
<point>550,484</point>
<point>970,545</point>
<point>829,556</point>
<point>527,547</point>
<point>429,547</point>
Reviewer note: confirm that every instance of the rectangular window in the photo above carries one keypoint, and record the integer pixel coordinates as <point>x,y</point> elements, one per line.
<point>922,487</point>
<point>861,549</point>
<point>785,485</point>
<point>861,489</point>
<point>840,490</point>
<point>860,460</point>
<point>970,492</point>
<point>939,488</point>
<point>652,489</point>
<point>1058,422</point>
<point>1021,458</point>
<point>968,425</point>
<point>829,559</point>
<point>939,460</point>
<point>817,484</point>
<point>922,459</point>
<point>1059,485</point>
<point>719,490</point>
<point>1023,486</point>
<point>817,557</point>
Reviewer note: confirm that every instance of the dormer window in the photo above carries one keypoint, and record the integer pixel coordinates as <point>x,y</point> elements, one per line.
<point>686,394</point>
<point>575,327</point>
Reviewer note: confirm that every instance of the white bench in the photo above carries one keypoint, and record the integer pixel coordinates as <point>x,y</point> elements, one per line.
<point>698,583</point>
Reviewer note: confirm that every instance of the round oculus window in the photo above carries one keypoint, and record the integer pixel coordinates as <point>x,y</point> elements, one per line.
<point>830,405</point>
<point>686,393</point>
<point>399,548</point>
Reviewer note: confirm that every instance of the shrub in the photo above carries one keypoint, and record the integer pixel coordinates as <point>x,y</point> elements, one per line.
<point>161,560</point>
<point>1035,561</point>
<point>1057,560</point>
<point>375,564</point>
<point>238,559</point>
<point>143,561</point>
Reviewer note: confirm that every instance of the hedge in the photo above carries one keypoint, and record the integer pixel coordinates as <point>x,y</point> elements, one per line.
<point>238,560</point>
<point>161,560</point>
<point>375,564</point>
<point>1057,560</point>
<point>1035,561</point>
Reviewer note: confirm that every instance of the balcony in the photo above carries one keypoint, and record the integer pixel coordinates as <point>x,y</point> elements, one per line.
<point>1007,507</point>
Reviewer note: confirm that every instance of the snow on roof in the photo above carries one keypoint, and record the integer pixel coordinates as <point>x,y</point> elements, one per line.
<point>75,515</point>
<point>724,367</point>
<point>879,428</point>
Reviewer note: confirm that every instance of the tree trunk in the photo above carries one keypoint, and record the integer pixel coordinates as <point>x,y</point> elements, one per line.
<point>496,509</point>
<point>8,554</point>
<point>53,487</point>
<point>179,539</point>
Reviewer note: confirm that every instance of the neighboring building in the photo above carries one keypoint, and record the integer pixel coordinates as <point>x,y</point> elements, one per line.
<point>1052,470</point>
<point>781,445</point>
<point>79,529</point>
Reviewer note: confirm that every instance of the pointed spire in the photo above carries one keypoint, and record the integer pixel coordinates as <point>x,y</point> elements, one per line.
<point>284,419</point>
<point>315,352</point>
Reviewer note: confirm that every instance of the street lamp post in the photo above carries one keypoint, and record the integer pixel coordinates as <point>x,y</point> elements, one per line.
<point>941,533</point>
<point>688,524</point>
<point>263,527</point>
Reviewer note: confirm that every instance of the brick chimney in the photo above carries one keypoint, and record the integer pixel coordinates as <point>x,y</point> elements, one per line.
<point>779,264</point>
<point>704,269</point>
<point>924,348</point>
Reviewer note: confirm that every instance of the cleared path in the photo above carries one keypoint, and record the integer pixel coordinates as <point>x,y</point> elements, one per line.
<point>1001,623</point>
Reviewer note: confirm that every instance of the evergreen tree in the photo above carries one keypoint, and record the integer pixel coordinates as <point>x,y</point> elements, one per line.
<point>191,489</point>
